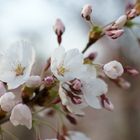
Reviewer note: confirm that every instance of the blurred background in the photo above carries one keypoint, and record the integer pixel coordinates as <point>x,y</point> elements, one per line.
<point>33,20</point>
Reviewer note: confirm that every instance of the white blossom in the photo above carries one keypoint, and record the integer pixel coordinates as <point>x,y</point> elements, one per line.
<point>16,64</point>
<point>33,81</point>
<point>21,115</point>
<point>68,67</point>
<point>113,69</point>
<point>7,101</point>
<point>64,64</point>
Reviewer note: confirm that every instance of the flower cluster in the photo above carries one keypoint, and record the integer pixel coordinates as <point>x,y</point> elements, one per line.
<point>69,82</point>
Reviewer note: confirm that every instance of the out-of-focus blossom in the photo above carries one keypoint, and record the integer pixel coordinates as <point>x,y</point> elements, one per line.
<point>74,135</point>
<point>121,21</point>
<point>2,89</point>
<point>123,83</point>
<point>86,11</point>
<point>33,81</point>
<point>8,101</point>
<point>132,71</point>
<point>21,115</point>
<point>16,64</point>
<point>113,69</point>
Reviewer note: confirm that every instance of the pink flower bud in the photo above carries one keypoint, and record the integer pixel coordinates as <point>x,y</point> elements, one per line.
<point>123,83</point>
<point>106,103</point>
<point>49,80</point>
<point>131,14</point>
<point>59,27</point>
<point>114,34</point>
<point>121,21</point>
<point>131,71</point>
<point>86,11</point>
<point>76,84</point>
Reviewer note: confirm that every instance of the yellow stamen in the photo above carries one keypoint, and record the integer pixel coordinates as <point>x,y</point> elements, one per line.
<point>19,70</point>
<point>61,70</point>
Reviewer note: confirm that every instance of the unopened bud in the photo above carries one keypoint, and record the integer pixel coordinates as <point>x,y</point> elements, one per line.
<point>76,84</point>
<point>33,81</point>
<point>59,29</point>
<point>49,80</point>
<point>86,11</point>
<point>121,21</point>
<point>131,14</point>
<point>106,103</point>
<point>114,34</point>
<point>131,71</point>
<point>123,83</point>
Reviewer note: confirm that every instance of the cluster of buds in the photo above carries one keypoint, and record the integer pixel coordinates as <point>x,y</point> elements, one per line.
<point>115,30</point>
<point>134,11</point>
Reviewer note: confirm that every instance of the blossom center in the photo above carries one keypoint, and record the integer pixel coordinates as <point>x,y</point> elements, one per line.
<point>61,70</point>
<point>19,70</point>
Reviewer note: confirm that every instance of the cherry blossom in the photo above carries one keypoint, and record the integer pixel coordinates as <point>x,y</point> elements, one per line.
<point>16,64</point>
<point>81,78</point>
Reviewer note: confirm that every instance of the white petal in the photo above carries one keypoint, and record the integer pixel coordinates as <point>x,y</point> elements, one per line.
<point>33,81</point>
<point>58,56</point>
<point>21,115</point>
<point>92,89</point>
<point>63,96</point>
